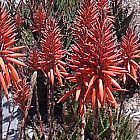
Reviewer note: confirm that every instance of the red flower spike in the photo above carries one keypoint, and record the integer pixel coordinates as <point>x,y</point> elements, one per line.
<point>94,58</point>
<point>39,19</point>
<point>86,15</point>
<point>52,52</point>
<point>19,19</point>
<point>130,51</point>
<point>8,53</point>
<point>21,94</point>
<point>34,59</point>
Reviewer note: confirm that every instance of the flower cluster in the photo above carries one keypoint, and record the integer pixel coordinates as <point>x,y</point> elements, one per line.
<point>130,51</point>
<point>94,59</point>
<point>52,53</point>
<point>9,55</point>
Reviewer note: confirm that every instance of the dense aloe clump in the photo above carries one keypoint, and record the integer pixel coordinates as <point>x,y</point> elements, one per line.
<point>66,64</point>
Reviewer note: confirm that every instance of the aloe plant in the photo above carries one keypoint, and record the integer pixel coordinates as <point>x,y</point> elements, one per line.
<point>94,59</point>
<point>9,58</point>
<point>51,60</point>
